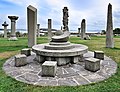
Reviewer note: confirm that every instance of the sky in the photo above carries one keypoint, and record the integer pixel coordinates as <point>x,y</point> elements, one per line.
<point>94,11</point>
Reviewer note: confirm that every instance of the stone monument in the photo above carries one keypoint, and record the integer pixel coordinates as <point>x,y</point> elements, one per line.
<point>5,29</point>
<point>78,32</point>
<point>59,49</point>
<point>49,29</point>
<point>38,30</point>
<point>32,25</point>
<point>109,29</point>
<point>65,19</point>
<point>13,27</point>
<point>83,29</point>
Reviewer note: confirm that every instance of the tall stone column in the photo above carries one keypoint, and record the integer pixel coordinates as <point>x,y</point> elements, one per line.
<point>78,32</point>
<point>83,29</point>
<point>49,29</point>
<point>13,27</point>
<point>32,25</point>
<point>5,29</point>
<point>109,29</point>
<point>65,19</point>
<point>38,30</point>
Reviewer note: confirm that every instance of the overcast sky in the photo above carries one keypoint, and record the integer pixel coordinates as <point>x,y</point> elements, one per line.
<point>94,11</point>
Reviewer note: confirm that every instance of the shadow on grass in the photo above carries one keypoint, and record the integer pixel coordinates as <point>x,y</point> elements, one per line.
<point>115,48</point>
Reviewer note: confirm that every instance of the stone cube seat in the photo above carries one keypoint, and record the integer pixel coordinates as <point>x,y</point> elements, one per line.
<point>99,55</point>
<point>92,64</point>
<point>20,60</point>
<point>26,51</point>
<point>49,68</point>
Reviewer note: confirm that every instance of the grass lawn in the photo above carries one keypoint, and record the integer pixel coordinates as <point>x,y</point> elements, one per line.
<point>10,48</point>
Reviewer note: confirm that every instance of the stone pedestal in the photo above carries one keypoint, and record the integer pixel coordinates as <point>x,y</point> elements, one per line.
<point>13,27</point>
<point>109,29</point>
<point>92,64</point>
<point>5,29</point>
<point>20,60</point>
<point>49,29</point>
<point>26,51</point>
<point>99,55</point>
<point>49,68</point>
<point>32,25</point>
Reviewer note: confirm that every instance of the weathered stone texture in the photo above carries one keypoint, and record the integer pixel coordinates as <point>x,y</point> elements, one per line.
<point>109,29</point>
<point>32,25</point>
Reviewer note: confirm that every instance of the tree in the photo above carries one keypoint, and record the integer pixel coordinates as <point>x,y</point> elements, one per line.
<point>103,32</point>
<point>116,31</point>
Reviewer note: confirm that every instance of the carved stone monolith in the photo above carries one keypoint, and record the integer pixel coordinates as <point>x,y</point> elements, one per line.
<point>109,29</point>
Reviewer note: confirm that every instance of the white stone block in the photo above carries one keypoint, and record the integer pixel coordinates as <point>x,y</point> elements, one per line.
<point>92,64</point>
<point>49,68</point>
<point>20,60</point>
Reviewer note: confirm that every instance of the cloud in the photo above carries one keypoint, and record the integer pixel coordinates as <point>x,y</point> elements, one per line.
<point>25,3</point>
<point>94,11</point>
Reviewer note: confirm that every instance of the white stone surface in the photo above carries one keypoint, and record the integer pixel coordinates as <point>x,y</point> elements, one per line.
<point>32,25</point>
<point>13,39</point>
<point>20,60</point>
<point>49,68</point>
<point>68,75</point>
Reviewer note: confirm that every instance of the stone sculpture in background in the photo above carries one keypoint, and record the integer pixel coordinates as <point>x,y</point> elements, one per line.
<point>83,29</point>
<point>5,29</point>
<point>32,25</point>
<point>78,32</point>
<point>65,19</point>
<point>109,29</point>
<point>13,27</point>
<point>38,30</point>
<point>49,29</point>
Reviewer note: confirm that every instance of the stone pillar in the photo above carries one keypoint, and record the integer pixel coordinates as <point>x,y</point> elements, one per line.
<point>38,30</point>
<point>32,25</point>
<point>13,27</point>
<point>5,29</point>
<point>78,32</point>
<point>109,29</point>
<point>65,19</point>
<point>49,29</point>
<point>83,29</point>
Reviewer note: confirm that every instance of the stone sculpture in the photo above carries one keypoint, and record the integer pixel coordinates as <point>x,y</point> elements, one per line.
<point>109,29</point>
<point>13,27</point>
<point>5,29</point>
<point>32,24</point>
<point>65,19</point>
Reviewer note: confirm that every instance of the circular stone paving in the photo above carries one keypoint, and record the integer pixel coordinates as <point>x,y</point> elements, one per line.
<point>69,75</point>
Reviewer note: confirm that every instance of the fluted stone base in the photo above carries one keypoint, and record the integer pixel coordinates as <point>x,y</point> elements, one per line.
<point>13,39</point>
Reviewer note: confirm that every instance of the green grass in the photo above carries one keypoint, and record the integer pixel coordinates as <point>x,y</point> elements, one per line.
<point>8,84</point>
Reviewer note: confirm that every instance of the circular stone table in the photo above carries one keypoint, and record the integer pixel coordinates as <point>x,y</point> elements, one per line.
<point>68,75</point>
<point>62,53</point>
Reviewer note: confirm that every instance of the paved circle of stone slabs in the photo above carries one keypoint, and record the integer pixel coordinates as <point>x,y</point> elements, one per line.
<point>69,75</point>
